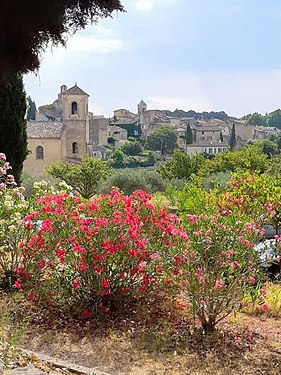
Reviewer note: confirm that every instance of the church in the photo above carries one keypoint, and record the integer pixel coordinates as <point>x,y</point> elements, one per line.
<point>66,131</point>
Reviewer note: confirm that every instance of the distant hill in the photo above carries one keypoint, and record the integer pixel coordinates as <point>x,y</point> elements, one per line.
<point>197,115</point>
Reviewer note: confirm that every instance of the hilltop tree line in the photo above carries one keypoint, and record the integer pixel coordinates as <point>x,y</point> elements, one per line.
<point>272,119</point>
<point>198,115</point>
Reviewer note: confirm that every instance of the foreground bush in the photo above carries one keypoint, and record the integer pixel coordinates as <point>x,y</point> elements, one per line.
<point>219,265</point>
<point>114,249</point>
<point>13,208</point>
<point>99,254</point>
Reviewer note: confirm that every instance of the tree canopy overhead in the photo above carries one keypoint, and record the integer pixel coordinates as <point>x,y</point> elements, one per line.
<point>27,26</point>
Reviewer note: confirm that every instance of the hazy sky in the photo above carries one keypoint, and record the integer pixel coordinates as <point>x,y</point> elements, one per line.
<point>187,54</point>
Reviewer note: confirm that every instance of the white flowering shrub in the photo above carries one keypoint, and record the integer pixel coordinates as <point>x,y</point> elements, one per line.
<point>13,208</point>
<point>45,187</point>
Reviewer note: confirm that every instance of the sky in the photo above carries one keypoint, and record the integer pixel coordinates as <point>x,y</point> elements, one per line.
<point>202,55</point>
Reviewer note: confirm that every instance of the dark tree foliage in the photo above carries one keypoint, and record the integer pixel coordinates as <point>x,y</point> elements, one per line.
<point>255,119</point>
<point>274,118</point>
<point>13,137</point>
<point>189,137</point>
<point>31,109</point>
<point>27,26</point>
<point>233,141</point>
<point>131,148</point>
<point>197,115</point>
<point>163,139</point>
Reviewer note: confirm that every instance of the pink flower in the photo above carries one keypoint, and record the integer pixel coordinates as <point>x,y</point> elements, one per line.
<point>31,296</point>
<point>264,307</point>
<point>105,282</point>
<point>219,284</point>
<point>125,290</point>
<point>86,314</point>
<point>230,254</point>
<point>192,218</point>
<point>251,280</point>
<point>199,274</point>
<point>235,264</point>
<point>17,284</point>
<point>42,264</point>
<point>82,267</point>
<point>76,283</point>
<point>155,256</point>
<point>142,266</point>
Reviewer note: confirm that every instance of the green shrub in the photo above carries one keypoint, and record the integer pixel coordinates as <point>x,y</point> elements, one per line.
<point>130,180</point>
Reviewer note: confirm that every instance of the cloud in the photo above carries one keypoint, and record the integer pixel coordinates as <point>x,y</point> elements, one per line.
<point>90,43</point>
<point>147,5</point>
<point>180,102</point>
<point>144,5</point>
<point>236,93</point>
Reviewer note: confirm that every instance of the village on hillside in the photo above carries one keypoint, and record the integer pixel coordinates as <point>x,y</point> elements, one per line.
<point>67,130</point>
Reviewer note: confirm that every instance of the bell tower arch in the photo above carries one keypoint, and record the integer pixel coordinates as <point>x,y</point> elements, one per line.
<point>76,122</point>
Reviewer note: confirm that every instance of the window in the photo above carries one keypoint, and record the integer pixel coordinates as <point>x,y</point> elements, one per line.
<point>219,150</point>
<point>202,138</point>
<point>74,108</point>
<point>75,148</point>
<point>210,150</point>
<point>136,132</point>
<point>40,153</point>
<point>202,132</point>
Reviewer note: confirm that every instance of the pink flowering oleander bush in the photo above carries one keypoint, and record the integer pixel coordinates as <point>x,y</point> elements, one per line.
<point>98,254</point>
<point>219,265</point>
<point>114,250</point>
<point>13,208</point>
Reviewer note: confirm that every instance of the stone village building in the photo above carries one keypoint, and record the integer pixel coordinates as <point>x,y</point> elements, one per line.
<point>67,132</point>
<point>211,137</point>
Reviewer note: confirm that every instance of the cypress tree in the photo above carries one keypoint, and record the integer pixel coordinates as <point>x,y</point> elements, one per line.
<point>188,135</point>
<point>31,109</point>
<point>13,136</point>
<point>232,141</point>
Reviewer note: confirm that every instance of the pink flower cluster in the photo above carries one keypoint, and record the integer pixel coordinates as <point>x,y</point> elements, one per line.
<point>6,179</point>
<point>100,250</point>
